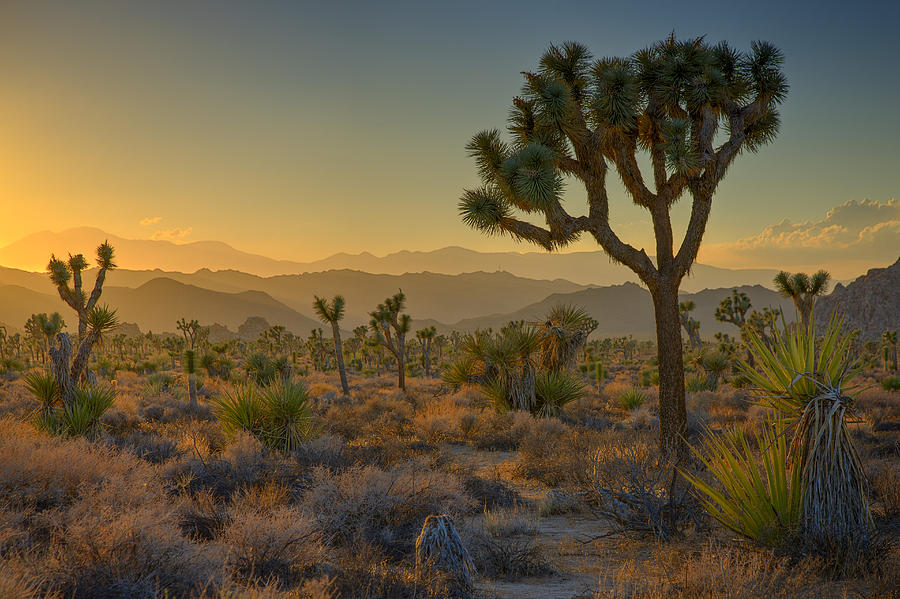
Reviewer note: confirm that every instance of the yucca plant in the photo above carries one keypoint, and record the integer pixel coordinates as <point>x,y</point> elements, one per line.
<point>240,409</point>
<point>759,500</point>
<point>554,390</point>
<point>81,416</point>
<point>42,385</point>
<point>631,398</point>
<point>278,415</point>
<point>287,416</point>
<point>806,380</point>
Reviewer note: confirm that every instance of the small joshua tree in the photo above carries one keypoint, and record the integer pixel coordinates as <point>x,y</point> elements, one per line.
<point>93,320</point>
<point>391,327</point>
<point>332,313</point>
<point>192,332</point>
<point>691,325</point>
<point>589,119</point>
<point>803,290</point>
<point>426,336</point>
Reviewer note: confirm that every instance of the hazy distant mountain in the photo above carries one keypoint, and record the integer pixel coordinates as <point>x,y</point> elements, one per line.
<point>158,304</point>
<point>585,268</point>
<point>871,303</point>
<point>447,298</point>
<point>628,310</point>
<point>31,252</point>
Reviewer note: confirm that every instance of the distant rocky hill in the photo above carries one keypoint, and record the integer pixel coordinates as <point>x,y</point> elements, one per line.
<point>870,304</point>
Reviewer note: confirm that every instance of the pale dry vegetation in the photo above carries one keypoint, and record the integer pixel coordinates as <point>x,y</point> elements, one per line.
<point>164,503</point>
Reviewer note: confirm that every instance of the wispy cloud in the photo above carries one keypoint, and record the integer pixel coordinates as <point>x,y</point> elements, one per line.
<point>852,233</point>
<point>150,220</point>
<point>171,234</point>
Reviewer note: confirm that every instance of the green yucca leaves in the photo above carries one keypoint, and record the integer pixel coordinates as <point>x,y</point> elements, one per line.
<point>760,500</point>
<point>554,390</point>
<point>42,385</point>
<point>797,369</point>
<point>80,417</point>
<point>279,415</point>
<point>240,409</point>
<point>286,415</point>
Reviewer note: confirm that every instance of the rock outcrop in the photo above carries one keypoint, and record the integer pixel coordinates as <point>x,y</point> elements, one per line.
<point>871,303</point>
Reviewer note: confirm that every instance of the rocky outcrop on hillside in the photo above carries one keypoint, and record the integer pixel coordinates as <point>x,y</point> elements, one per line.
<point>871,303</point>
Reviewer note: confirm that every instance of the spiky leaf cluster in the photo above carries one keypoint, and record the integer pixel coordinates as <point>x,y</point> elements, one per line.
<point>577,113</point>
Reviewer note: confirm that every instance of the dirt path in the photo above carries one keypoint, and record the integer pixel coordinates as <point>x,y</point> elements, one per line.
<point>578,562</point>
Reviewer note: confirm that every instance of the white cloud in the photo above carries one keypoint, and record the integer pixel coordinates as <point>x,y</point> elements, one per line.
<point>856,232</point>
<point>150,220</point>
<point>171,234</point>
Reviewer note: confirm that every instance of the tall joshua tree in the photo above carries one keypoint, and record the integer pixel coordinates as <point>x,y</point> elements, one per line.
<point>426,336</point>
<point>391,327</point>
<point>577,117</point>
<point>803,290</point>
<point>332,313</point>
<point>93,320</point>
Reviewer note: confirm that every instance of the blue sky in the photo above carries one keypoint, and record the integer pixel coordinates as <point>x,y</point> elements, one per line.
<point>303,129</point>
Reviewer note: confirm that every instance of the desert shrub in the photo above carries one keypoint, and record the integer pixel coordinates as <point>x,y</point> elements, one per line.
<point>884,478</point>
<point>501,431</point>
<point>381,507</point>
<point>695,383</point>
<point>552,452</point>
<point>631,398</point>
<point>80,416</point>
<point>148,446</point>
<point>554,390</point>
<point>46,472</point>
<point>271,543</point>
<point>627,483</point>
<point>891,383</point>
<point>509,521</point>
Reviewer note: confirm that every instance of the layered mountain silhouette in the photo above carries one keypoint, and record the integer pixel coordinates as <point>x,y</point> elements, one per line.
<point>584,268</point>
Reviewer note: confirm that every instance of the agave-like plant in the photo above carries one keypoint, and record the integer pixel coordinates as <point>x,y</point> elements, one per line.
<point>81,416</point>
<point>806,381</point>
<point>278,415</point>
<point>554,390</point>
<point>240,409</point>
<point>287,416</point>
<point>760,504</point>
<point>42,385</point>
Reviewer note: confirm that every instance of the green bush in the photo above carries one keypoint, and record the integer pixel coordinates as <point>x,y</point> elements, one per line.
<point>630,399</point>
<point>81,416</point>
<point>278,415</point>
<point>891,383</point>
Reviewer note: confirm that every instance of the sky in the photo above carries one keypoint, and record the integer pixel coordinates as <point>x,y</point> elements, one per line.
<point>298,130</point>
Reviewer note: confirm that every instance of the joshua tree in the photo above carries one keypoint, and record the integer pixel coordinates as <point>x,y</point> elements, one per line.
<point>4,335</point>
<point>578,116</point>
<point>734,309</point>
<point>191,332</point>
<point>62,272</point>
<point>890,345</point>
<point>803,290</point>
<point>426,336</point>
<point>93,320</point>
<point>691,325</point>
<point>332,314</point>
<point>390,328</point>
<point>189,363</point>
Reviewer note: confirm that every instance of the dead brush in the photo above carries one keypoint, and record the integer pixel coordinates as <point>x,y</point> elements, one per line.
<point>633,487</point>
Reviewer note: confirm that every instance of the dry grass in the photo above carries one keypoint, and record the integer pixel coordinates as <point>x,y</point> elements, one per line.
<point>164,502</point>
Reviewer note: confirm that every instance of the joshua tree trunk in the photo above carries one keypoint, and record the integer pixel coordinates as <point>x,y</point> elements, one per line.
<point>192,390</point>
<point>672,421</point>
<point>339,355</point>
<point>401,370</point>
